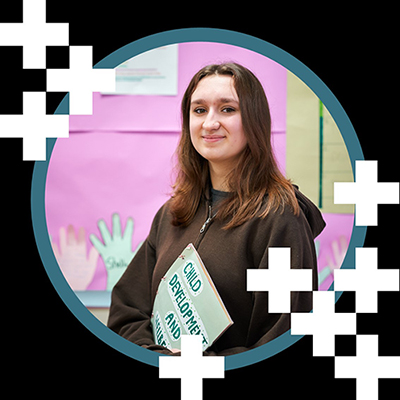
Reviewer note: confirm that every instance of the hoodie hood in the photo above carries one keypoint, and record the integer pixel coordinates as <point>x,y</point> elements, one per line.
<point>312,213</point>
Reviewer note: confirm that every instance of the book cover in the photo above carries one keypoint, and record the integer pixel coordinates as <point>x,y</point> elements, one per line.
<point>187,303</point>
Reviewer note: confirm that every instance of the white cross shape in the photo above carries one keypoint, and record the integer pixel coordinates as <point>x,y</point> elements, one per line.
<point>367,367</point>
<point>81,80</point>
<point>366,280</point>
<point>323,323</point>
<point>34,126</point>
<point>279,280</point>
<point>34,34</point>
<point>191,367</point>
<point>366,193</point>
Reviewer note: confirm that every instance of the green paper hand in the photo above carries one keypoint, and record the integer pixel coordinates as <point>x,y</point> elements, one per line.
<point>116,251</point>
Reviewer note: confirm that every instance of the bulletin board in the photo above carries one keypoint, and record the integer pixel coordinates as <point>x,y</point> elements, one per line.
<point>106,181</point>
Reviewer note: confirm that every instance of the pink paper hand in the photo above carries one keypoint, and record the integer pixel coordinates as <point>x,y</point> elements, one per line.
<point>339,250</point>
<point>78,267</point>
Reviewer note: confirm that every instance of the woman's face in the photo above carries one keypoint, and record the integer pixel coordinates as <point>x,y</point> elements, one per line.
<point>216,129</point>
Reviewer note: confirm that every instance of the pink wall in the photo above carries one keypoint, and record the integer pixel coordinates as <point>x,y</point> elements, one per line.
<point>119,159</point>
<point>162,113</point>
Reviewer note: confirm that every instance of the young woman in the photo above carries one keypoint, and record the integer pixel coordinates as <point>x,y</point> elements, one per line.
<point>231,201</point>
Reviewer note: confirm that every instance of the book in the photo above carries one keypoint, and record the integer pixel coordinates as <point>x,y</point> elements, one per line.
<point>187,303</point>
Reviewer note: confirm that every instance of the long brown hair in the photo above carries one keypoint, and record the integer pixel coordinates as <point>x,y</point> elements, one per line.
<point>256,184</point>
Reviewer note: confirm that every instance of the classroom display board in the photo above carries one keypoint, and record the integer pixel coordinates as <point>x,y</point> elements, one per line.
<point>106,181</point>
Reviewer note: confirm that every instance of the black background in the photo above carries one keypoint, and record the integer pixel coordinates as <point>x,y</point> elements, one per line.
<point>51,352</point>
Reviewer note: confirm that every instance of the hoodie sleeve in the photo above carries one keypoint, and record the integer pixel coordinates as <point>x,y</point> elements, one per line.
<point>131,303</point>
<point>285,230</point>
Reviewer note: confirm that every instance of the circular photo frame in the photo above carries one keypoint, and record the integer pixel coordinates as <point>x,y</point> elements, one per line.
<point>40,174</point>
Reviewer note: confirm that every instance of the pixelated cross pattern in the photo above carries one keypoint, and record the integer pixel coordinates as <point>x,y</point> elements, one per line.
<point>367,367</point>
<point>279,280</point>
<point>80,80</point>
<point>34,34</point>
<point>366,280</point>
<point>191,367</point>
<point>366,193</point>
<point>34,126</point>
<point>323,323</point>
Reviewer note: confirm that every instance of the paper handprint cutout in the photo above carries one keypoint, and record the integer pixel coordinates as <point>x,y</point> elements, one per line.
<point>116,251</point>
<point>339,250</point>
<point>77,266</point>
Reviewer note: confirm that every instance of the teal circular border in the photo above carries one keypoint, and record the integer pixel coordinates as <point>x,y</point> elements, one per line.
<point>111,61</point>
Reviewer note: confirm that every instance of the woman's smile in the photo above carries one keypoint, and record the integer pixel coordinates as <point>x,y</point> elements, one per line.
<point>213,138</point>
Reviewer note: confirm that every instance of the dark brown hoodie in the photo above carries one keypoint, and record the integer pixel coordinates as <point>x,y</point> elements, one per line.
<point>227,254</point>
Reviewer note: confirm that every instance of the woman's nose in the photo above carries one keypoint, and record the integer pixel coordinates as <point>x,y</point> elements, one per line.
<point>211,122</point>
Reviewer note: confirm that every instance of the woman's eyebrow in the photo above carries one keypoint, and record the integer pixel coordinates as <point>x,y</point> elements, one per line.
<point>220,100</point>
<point>198,101</point>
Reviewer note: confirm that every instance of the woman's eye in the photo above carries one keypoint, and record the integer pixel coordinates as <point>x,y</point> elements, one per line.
<point>228,110</point>
<point>199,110</point>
